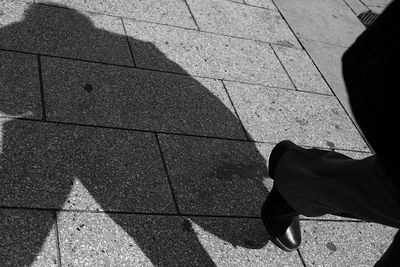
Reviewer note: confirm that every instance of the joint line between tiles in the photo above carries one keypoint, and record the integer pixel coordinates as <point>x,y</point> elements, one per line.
<point>236,113</point>
<point>129,43</point>
<point>191,14</point>
<point>283,66</point>
<point>133,213</point>
<point>41,88</point>
<point>57,236</point>
<point>178,134</point>
<point>167,174</point>
<point>301,257</point>
<point>352,10</point>
<point>160,71</point>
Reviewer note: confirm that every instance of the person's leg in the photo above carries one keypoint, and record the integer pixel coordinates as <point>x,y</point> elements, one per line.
<point>317,182</point>
<point>281,221</point>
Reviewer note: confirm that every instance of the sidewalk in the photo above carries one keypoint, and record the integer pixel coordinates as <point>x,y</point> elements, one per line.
<point>138,134</point>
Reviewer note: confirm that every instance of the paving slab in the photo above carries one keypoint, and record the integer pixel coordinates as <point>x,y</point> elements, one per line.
<point>262,3</point>
<point>272,115</point>
<point>377,3</point>
<point>121,170</point>
<point>344,243</point>
<point>172,12</point>
<point>28,238</point>
<point>329,21</point>
<point>167,48</point>
<point>19,86</point>
<point>12,11</point>
<point>376,9</point>
<point>97,94</point>
<point>133,240</point>
<point>225,17</point>
<point>63,32</point>
<point>302,70</point>
<point>328,59</point>
<point>216,177</point>
<point>356,6</point>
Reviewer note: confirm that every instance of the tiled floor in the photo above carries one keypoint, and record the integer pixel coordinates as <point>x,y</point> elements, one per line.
<point>137,133</point>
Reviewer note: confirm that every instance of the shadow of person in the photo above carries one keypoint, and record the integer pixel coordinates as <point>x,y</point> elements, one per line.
<point>111,128</point>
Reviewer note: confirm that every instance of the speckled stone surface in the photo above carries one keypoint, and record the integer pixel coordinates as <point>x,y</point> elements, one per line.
<point>377,9</point>
<point>376,3</point>
<point>272,115</point>
<point>328,21</point>
<point>356,6</point>
<point>63,32</point>
<point>12,11</point>
<point>102,95</point>
<point>19,86</point>
<point>120,170</point>
<point>172,12</point>
<point>225,17</point>
<point>328,59</point>
<point>133,240</point>
<point>215,177</point>
<point>302,70</point>
<point>344,244</point>
<point>28,238</point>
<point>262,3</point>
<point>185,51</point>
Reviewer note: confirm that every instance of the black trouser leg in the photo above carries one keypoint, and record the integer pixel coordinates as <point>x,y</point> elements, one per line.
<point>317,182</point>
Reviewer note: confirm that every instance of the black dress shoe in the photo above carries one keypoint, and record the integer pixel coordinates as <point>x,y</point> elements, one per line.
<point>283,227</point>
<point>279,218</point>
<point>285,232</point>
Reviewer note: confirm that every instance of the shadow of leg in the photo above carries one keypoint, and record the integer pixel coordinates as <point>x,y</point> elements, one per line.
<point>28,238</point>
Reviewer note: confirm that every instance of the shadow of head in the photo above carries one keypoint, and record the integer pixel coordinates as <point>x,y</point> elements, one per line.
<point>221,175</point>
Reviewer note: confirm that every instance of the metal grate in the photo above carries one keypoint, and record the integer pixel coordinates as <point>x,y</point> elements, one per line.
<point>367,18</point>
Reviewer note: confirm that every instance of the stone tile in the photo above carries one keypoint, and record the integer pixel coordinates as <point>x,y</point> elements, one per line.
<point>329,21</point>
<point>172,12</point>
<point>344,243</point>
<point>12,11</point>
<point>376,9</point>
<point>356,6</point>
<point>302,70</point>
<point>262,3</point>
<point>19,86</point>
<point>118,170</point>
<point>244,21</point>
<point>328,59</point>
<point>381,3</point>
<point>197,53</point>
<point>63,32</point>
<point>215,177</point>
<point>28,238</point>
<point>271,115</point>
<point>132,240</point>
<point>97,94</point>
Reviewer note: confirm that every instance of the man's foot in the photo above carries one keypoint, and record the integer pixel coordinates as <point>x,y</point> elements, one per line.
<point>279,218</point>
<point>281,221</point>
